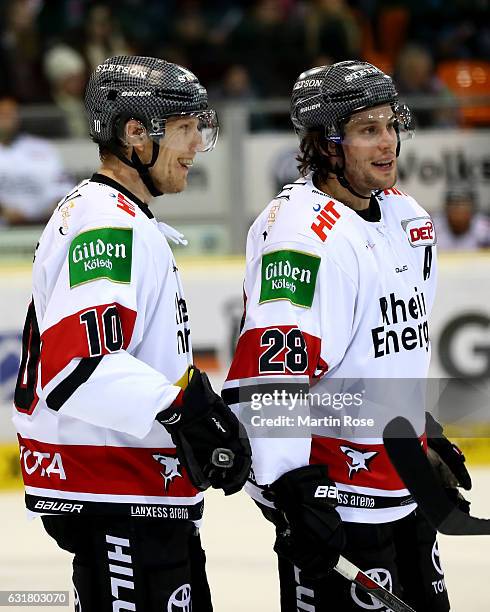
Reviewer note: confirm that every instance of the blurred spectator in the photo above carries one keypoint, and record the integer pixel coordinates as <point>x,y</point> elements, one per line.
<point>146,24</point>
<point>415,76</point>
<point>65,70</point>
<point>452,29</point>
<point>190,33</point>
<point>241,48</point>
<point>235,85</point>
<point>31,175</point>
<point>20,51</point>
<point>466,37</point>
<point>56,17</point>
<point>266,42</point>
<point>223,17</point>
<point>460,226</point>
<point>99,37</point>
<point>331,29</point>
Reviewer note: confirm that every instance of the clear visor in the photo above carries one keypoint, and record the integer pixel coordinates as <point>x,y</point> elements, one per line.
<point>186,132</point>
<point>376,126</point>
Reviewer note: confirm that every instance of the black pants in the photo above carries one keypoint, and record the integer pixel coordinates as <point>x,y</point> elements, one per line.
<point>138,564</point>
<point>402,556</point>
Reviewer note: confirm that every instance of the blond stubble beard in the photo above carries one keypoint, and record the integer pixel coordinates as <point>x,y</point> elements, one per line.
<point>173,184</point>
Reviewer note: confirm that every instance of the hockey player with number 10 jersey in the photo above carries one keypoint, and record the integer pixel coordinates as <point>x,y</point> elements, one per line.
<point>339,285</point>
<point>119,435</point>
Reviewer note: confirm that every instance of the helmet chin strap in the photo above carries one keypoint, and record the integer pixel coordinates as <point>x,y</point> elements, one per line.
<point>345,183</point>
<point>339,173</point>
<point>142,169</point>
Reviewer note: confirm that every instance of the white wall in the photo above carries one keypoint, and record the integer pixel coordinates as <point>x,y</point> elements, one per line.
<point>427,165</point>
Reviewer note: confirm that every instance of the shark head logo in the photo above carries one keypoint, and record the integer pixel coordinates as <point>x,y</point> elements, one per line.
<point>359,459</point>
<point>171,468</point>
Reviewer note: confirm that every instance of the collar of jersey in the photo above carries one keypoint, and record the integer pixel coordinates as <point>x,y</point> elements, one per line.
<point>105,180</point>
<point>372,214</point>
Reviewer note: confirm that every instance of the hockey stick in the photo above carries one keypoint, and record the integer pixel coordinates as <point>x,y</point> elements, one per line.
<point>411,463</point>
<point>368,585</point>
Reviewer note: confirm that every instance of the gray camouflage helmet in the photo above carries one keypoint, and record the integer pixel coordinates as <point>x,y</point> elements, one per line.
<point>324,97</point>
<point>143,88</point>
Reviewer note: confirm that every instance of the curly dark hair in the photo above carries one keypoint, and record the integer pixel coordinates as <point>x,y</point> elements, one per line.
<point>314,156</point>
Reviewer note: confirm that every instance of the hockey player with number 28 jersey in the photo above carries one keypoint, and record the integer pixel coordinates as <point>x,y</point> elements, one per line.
<point>339,285</point>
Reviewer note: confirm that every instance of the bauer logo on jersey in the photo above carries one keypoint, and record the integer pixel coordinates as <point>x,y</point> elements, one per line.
<point>289,275</point>
<point>105,252</point>
<point>420,231</point>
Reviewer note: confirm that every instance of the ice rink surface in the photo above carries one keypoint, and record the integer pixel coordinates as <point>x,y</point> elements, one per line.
<point>241,565</point>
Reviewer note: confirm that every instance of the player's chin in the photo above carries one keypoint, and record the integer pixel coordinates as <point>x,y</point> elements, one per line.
<point>385,182</point>
<point>174,186</point>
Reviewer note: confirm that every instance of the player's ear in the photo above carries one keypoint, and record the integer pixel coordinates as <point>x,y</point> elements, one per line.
<point>332,151</point>
<point>329,148</point>
<point>135,135</point>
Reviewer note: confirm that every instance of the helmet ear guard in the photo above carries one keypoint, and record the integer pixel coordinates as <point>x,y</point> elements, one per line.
<point>127,139</point>
<point>137,136</point>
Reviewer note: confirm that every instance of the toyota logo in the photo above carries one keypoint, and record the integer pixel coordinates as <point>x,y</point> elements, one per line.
<point>77,603</point>
<point>180,600</point>
<point>436,558</point>
<point>364,600</point>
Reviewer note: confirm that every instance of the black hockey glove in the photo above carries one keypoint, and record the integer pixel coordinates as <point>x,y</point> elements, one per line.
<point>312,536</point>
<point>211,443</point>
<point>448,462</point>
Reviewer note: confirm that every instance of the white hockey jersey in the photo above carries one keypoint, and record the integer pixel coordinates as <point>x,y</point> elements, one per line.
<point>334,342</point>
<point>105,339</point>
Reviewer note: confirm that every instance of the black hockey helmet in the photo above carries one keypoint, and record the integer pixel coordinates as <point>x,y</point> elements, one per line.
<point>150,90</point>
<point>325,98</point>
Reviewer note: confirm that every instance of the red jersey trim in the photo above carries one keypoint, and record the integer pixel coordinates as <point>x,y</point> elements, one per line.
<point>252,347</point>
<point>109,470</point>
<point>364,465</point>
<point>71,338</point>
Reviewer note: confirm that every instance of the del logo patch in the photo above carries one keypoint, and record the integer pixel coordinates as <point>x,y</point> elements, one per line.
<point>289,275</point>
<point>105,252</point>
<point>420,231</point>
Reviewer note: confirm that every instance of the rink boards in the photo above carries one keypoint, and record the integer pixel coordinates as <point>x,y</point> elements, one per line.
<point>460,333</point>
